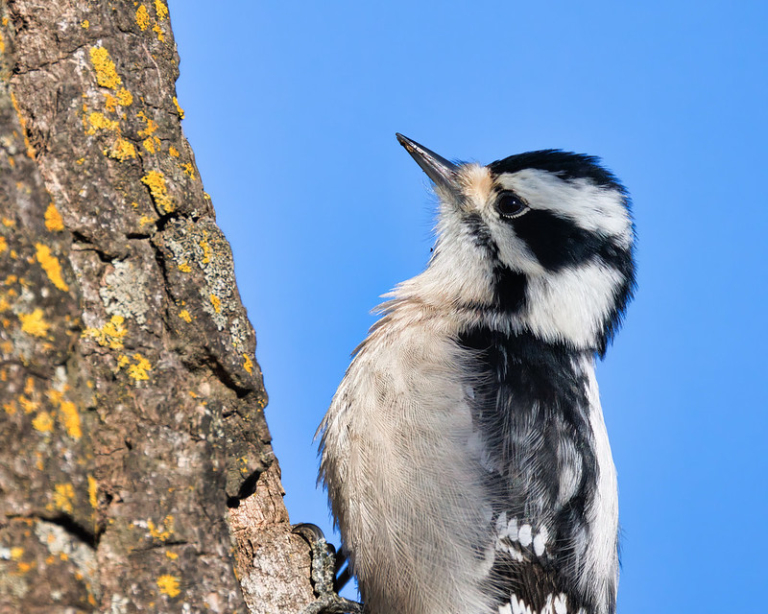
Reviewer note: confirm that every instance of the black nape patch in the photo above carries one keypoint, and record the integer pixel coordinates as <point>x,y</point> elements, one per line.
<point>566,165</point>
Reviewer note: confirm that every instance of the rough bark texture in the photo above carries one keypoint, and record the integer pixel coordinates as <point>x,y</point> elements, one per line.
<point>132,404</point>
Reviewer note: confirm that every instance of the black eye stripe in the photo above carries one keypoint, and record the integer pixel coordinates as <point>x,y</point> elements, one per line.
<point>558,242</point>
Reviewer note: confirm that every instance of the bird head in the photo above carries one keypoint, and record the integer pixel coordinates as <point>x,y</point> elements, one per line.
<point>540,242</point>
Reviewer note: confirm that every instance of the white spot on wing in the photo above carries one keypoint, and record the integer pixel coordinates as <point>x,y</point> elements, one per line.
<point>501,524</point>
<point>512,531</point>
<point>507,532</point>
<point>519,606</point>
<point>525,535</point>
<point>540,542</point>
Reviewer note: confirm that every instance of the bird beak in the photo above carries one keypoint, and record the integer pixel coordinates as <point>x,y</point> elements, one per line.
<point>442,172</point>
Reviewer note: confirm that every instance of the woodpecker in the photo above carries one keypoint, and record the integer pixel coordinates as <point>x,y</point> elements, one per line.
<point>465,453</point>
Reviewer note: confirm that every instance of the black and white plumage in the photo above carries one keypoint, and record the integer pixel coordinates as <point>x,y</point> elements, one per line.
<point>465,452</point>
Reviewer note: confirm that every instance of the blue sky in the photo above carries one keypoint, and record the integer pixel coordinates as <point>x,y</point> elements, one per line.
<point>291,109</point>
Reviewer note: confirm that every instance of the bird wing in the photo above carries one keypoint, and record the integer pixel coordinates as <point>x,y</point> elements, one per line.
<point>532,437</point>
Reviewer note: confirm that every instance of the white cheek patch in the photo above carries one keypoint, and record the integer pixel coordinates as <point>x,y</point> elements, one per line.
<point>591,207</point>
<point>572,305</point>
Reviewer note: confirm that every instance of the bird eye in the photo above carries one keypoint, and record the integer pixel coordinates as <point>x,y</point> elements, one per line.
<point>510,205</point>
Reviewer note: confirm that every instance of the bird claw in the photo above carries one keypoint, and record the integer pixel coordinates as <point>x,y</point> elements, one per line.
<point>324,569</point>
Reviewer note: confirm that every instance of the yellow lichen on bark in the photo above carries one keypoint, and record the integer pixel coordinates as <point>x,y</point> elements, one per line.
<point>110,335</point>
<point>63,496</point>
<point>206,251</point>
<point>23,122</point>
<point>34,323</point>
<point>168,585</point>
<point>53,221</point>
<point>122,150</point>
<point>179,110</point>
<point>43,422</point>
<point>248,363</point>
<point>142,17</point>
<point>139,370</point>
<point>161,534</point>
<point>161,10</point>
<point>124,97</point>
<point>155,181</point>
<point>28,405</point>
<point>151,142</point>
<point>159,31</point>
<point>106,73</point>
<point>98,121</point>
<point>51,266</point>
<point>93,488</point>
<point>71,419</point>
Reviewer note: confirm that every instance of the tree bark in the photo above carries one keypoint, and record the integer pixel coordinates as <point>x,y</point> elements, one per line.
<point>136,472</point>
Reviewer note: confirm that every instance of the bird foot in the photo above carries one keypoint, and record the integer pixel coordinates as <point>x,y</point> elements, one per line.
<point>324,569</point>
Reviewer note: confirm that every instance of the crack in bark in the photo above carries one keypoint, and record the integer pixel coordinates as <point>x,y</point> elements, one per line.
<point>69,524</point>
<point>45,65</point>
<point>82,243</point>
<point>247,488</point>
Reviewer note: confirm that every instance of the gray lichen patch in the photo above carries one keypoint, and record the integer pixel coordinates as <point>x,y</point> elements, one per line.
<point>239,334</point>
<point>125,292</point>
<point>200,249</point>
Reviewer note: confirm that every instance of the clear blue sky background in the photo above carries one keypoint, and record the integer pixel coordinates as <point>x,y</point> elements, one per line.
<point>292,109</point>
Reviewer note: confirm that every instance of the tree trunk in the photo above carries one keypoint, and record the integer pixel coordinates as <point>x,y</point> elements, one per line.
<point>136,472</point>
